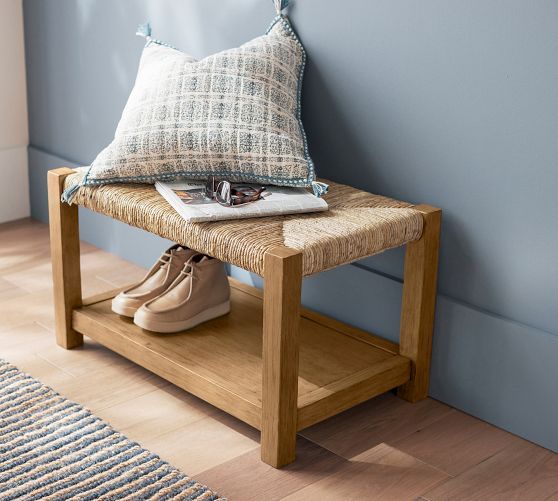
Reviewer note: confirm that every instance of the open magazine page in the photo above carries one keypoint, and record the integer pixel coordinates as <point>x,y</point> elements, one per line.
<point>190,201</point>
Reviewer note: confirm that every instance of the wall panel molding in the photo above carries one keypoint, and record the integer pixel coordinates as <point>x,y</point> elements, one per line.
<point>14,184</point>
<point>14,135</point>
<point>489,366</point>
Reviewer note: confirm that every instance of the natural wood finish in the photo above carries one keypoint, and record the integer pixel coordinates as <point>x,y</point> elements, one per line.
<point>521,471</point>
<point>419,303</point>
<point>65,254</point>
<point>173,361</point>
<point>222,364</point>
<point>102,296</point>
<point>383,473</point>
<point>278,409</point>
<point>280,355</point>
<point>341,395</point>
<point>203,444</point>
<point>190,433</point>
<point>247,478</point>
<point>463,441</point>
<point>330,323</point>
<point>386,418</point>
<point>349,330</point>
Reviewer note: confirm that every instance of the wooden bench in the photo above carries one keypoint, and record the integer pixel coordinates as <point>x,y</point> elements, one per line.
<point>270,363</point>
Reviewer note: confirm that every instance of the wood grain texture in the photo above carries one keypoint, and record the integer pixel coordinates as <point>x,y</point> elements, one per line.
<point>80,361</point>
<point>92,387</point>
<point>195,436</point>
<point>220,354</point>
<point>156,413</point>
<point>247,478</point>
<point>65,254</point>
<point>18,309</point>
<point>280,355</point>
<point>275,411</point>
<point>204,443</point>
<point>182,363</point>
<point>419,304</point>
<point>385,418</point>
<point>462,441</point>
<point>15,257</point>
<point>330,323</point>
<point>383,473</point>
<point>9,290</point>
<point>341,395</point>
<point>522,471</point>
<point>102,296</point>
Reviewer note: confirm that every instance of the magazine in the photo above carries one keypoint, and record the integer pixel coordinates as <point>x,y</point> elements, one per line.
<point>189,200</point>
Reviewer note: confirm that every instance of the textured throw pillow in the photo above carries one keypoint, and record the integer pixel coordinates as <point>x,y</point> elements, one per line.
<point>235,115</point>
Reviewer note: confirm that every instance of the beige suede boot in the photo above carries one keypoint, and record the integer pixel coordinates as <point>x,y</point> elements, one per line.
<point>201,292</point>
<point>158,279</point>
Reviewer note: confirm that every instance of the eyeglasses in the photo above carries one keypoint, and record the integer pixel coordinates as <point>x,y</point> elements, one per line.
<point>227,195</point>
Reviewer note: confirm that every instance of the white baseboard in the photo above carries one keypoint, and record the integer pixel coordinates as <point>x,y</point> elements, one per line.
<point>14,184</point>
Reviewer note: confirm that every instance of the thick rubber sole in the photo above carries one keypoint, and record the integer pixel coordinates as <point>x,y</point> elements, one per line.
<point>142,320</point>
<point>125,311</point>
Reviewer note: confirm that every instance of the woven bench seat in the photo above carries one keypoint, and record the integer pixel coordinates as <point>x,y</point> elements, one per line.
<point>358,224</point>
<point>268,362</point>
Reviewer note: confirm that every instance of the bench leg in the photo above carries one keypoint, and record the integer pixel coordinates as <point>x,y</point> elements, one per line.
<point>64,248</point>
<point>281,318</point>
<point>418,304</point>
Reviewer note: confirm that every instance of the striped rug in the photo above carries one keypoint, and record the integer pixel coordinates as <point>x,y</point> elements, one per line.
<point>51,448</point>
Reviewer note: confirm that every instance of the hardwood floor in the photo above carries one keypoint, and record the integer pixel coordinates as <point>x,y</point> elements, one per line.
<point>384,449</point>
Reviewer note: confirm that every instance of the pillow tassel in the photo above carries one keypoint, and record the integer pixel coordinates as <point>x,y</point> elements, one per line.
<point>144,30</point>
<point>280,5</point>
<point>69,193</point>
<point>319,189</point>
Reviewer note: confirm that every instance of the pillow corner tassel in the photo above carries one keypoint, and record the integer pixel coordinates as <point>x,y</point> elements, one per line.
<point>68,194</point>
<point>144,30</point>
<point>280,5</point>
<point>319,189</point>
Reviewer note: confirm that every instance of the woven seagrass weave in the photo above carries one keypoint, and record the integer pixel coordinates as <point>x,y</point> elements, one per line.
<point>358,224</point>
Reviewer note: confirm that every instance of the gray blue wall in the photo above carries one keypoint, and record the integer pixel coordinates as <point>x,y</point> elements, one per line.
<point>445,102</point>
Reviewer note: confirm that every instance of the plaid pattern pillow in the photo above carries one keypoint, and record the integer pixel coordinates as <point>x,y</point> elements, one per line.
<point>235,114</point>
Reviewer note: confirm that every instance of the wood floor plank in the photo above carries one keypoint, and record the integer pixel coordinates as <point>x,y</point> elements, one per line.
<point>23,337</point>
<point>204,444</point>
<point>23,232</point>
<point>9,290</point>
<point>156,413</point>
<point>101,271</point>
<point>19,310</point>
<point>455,443</point>
<point>522,471</point>
<point>110,386</point>
<point>383,473</point>
<point>21,347</point>
<point>23,244</point>
<point>82,360</point>
<point>111,269</point>
<point>37,367</point>
<point>19,238</point>
<point>247,478</point>
<point>386,418</point>
<point>386,443</point>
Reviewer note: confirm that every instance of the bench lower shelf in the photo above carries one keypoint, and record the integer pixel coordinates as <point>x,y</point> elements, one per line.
<point>221,361</point>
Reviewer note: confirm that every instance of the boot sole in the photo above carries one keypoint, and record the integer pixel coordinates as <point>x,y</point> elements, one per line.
<point>182,325</point>
<point>125,311</point>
